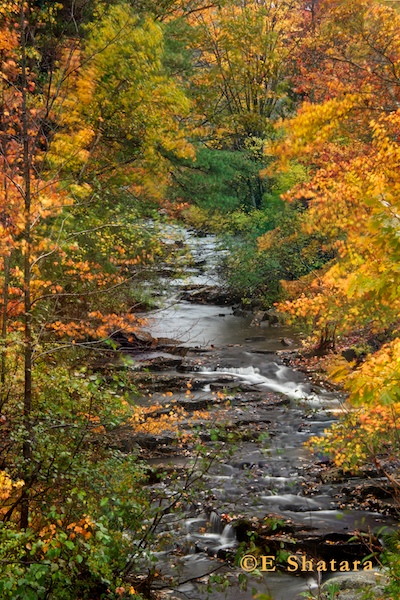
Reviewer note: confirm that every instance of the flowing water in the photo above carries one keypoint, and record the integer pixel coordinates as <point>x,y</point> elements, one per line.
<point>264,475</point>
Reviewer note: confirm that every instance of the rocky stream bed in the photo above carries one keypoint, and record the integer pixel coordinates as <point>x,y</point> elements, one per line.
<point>230,371</point>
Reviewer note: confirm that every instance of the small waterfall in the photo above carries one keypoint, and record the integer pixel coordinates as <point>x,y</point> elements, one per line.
<point>276,383</point>
<point>219,535</point>
<point>228,536</point>
<point>242,371</point>
<point>216,524</point>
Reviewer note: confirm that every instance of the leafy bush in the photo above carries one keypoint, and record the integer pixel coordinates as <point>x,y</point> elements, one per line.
<point>83,495</point>
<point>272,250</point>
<point>220,181</point>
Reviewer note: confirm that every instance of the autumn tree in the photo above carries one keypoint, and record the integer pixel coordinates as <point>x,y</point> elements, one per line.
<point>349,139</point>
<point>66,140</point>
<point>242,77</point>
<point>347,136</point>
<point>242,54</point>
<point>83,121</point>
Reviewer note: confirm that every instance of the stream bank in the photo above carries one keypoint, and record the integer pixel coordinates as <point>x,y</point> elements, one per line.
<point>232,378</point>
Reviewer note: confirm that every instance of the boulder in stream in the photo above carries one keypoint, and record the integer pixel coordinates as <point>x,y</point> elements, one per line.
<point>354,586</point>
<point>259,317</point>
<point>271,316</point>
<point>208,294</point>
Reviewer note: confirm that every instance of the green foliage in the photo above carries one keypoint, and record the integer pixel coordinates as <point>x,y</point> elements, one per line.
<point>177,59</point>
<point>95,100</point>
<point>243,52</point>
<point>254,271</point>
<point>55,566</point>
<point>281,182</point>
<point>391,560</point>
<point>121,108</point>
<point>274,523</point>
<point>218,583</point>
<point>83,495</point>
<point>220,181</point>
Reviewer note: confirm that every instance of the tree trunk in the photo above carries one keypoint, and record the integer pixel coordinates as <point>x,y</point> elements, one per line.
<point>3,365</point>
<point>27,238</point>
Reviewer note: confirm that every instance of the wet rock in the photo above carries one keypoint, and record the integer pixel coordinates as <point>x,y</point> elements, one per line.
<point>160,363</point>
<point>127,440</point>
<point>269,317</point>
<point>256,338</point>
<point>378,491</point>
<point>289,356</point>
<point>333,475</point>
<point>208,295</point>
<point>149,441</point>
<point>200,263</point>
<point>196,404</point>
<point>272,316</point>
<point>270,525</point>
<point>212,550</point>
<point>188,367</point>
<point>258,318</point>
<point>216,387</point>
<point>239,312</point>
<point>201,349</point>
<point>245,465</point>
<point>286,342</point>
<point>166,271</point>
<point>165,342</point>
<point>192,287</point>
<point>349,354</point>
<point>179,350</point>
<point>246,388</point>
<point>198,384</point>
<point>296,508</point>
<point>149,382</point>
<point>122,439</point>
<point>245,395</point>
<point>133,341</point>
<point>226,382</point>
<point>221,379</point>
<point>354,585</point>
<point>138,342</point>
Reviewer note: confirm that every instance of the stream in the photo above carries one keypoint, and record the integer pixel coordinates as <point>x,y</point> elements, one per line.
<point>235,370</point>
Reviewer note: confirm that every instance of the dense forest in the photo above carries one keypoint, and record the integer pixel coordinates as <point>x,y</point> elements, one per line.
<point>273,124</point>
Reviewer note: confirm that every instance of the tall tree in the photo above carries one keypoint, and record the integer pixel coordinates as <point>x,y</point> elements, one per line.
<point>83,120</point>
<point>242,69</point>
<point>242,55</point>
<point>349,140</point>
<point>66,138</point>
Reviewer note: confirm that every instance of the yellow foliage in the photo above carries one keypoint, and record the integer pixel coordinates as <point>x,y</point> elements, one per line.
<point>348,138</point>
<point>8,491</point>
<point>7,486</point>
<point>361,436</point>
<point>143,421</point>
<point>360,197</point>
